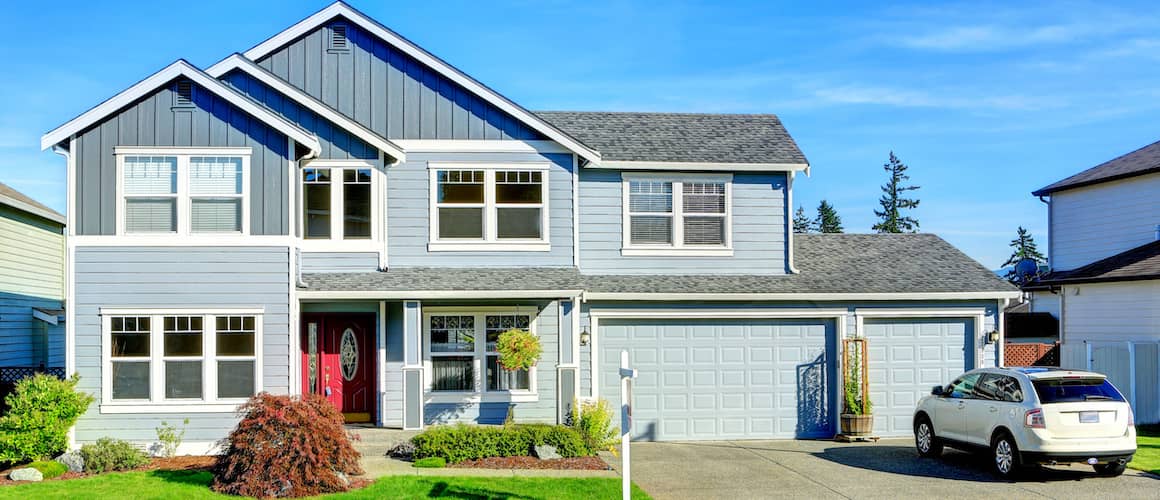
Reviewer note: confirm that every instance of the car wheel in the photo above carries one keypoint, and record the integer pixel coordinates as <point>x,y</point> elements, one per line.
<point>1005,456</point>
<point>1111,470</point>
<point>924,439</point>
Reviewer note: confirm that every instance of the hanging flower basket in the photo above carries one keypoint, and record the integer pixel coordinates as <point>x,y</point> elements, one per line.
<point>518,349</point>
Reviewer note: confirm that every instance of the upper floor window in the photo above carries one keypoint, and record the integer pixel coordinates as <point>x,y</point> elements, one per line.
<point>680,215</point>
<point>489,207</point>
<point>183,191</point>
<point>338,202</point>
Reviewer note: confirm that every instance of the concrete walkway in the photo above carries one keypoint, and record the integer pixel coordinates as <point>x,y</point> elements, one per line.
<point>825,469</point>
<point>374,443</point>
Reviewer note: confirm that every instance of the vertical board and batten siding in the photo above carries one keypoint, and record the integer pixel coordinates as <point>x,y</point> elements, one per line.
<point>543,410</point>
<point>162,277</point>
<point>152,121</point>
<point>339,262</point>
<point>388,91</point>
<point>1096,222</point>
<point>758,220</point>
<point>337,143</point>
<point>408,209</point>
<point>31,276</point>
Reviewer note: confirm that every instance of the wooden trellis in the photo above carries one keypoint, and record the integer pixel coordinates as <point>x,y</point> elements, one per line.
<point>855,363</point>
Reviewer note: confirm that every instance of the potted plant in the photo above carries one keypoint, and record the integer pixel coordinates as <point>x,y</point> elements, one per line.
<point>857,416</point>
<point>518,349</point>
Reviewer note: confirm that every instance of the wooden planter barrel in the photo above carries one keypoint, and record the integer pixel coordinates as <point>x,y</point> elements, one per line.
<point>857,425</point>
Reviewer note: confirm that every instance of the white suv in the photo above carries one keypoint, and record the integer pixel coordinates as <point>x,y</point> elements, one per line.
<point>1028,416</point>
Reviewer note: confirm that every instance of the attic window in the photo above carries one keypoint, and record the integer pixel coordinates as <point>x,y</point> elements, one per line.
<point>338,39</point>
<point>183,94</point>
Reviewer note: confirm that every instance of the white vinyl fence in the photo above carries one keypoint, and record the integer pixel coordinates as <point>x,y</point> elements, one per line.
<point>1134,368</point>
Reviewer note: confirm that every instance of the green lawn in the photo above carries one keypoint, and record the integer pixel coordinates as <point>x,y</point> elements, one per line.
<point>194,485</point>
<point>1147,450</point>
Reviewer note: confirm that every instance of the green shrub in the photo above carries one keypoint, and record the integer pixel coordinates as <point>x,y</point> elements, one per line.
<point>49,468</point>
<point>593,420</point>
<point>109,454</point>
<point>431,463</point>
<point>41,410</point>
<point>169,438</point>
<point>460,442</point>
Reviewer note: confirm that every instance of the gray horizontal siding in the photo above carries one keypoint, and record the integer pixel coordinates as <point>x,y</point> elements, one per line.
<point>165,277</point>
<point>339,262</point>
<point>153,121</point>
<point>388,91</point>
<point>758,229</point>
<point>408,209</point>
<point>337,143</point>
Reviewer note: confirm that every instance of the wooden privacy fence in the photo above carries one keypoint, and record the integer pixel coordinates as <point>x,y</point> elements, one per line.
<point>1031,354</point>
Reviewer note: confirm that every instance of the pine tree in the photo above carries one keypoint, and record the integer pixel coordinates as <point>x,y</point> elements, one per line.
<point>891,217</point>
<point>801,223</point>
<point>828,220</point>
<point>1024,248</point>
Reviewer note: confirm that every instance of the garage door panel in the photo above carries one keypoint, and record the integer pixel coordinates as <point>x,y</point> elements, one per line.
<point>736,379</point>
<point>908,356</point>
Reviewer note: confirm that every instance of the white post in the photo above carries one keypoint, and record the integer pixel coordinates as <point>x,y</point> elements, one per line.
<point>626,376</point>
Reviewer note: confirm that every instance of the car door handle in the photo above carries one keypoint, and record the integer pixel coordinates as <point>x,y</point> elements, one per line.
<point>993,409</point>
<point>962,405</point>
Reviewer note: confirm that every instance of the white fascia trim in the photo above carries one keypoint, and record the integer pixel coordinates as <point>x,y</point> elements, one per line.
<point>719,313</point>
<point>236,61</point>
<point>796,296</point>
<point>123,408</point>
<point>480,146</point>
<point>438,294</point>
<point>394,39</point>
<point>152,82</point>
<point>182,241</point>
<point>918,312</point>
<point>681,165</point>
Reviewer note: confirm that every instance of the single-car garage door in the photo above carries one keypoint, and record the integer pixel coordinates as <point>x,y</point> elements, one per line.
<point>723,378</point>
<point>908,356</point>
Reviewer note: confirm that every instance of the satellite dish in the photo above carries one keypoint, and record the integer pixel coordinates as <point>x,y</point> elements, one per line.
<point>1027,270</point>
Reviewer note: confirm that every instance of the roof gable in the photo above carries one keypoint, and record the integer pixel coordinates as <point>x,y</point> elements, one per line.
<point>22,202</point>
<point>178,69</point>
<point>1145,160</point>
<point>463,84</point>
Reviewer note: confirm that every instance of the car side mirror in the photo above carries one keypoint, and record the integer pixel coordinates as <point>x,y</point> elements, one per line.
<point>937,391</point>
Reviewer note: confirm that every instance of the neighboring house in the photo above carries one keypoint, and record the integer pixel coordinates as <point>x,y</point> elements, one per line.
<point>338,211</point>
<point>31,287</point>
<point>1104,283</point>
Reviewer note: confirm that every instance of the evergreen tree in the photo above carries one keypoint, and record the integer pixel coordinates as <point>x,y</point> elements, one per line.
<point>891,217</point>
<point>1024,248</point>
<point>801,223</point>
<point>828,220</point>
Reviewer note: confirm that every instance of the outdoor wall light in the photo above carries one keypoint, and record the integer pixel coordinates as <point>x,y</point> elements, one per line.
<point>992,336</point>
<point>585,337</point>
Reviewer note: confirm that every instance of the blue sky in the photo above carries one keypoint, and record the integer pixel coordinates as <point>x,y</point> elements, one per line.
<point>985,101</point>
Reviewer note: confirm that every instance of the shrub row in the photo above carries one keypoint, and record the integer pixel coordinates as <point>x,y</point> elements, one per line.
<point>460,442</point>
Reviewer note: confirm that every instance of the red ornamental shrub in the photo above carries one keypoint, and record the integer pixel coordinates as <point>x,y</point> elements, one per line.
<point>287,447</point>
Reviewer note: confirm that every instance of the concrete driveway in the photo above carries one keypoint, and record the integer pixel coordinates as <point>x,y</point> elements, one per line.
<point>824,469</point>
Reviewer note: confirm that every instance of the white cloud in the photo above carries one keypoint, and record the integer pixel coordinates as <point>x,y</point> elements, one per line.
<point>956,99</point>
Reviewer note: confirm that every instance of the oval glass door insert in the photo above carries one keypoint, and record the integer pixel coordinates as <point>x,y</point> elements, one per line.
<point>348,355</point>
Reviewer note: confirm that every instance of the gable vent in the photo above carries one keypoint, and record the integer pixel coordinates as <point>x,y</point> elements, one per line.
<point>338,38</point>
<point>183,95</point>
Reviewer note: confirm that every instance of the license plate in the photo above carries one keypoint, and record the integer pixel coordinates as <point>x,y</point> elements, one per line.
<point>1089,417</point>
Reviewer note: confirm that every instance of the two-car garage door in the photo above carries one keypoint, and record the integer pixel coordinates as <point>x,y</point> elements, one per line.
<point>771,378</point>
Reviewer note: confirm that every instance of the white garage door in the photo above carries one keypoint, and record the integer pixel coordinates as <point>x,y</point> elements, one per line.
<point>723,379</point>
<point>907,358</point>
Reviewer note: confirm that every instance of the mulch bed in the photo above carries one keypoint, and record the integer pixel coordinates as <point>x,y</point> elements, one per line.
<point>577,463</point>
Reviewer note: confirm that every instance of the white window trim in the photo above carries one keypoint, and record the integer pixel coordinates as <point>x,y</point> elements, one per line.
<point>490,242</point>
<point>337,241</point>
<point>157,403</point>
<point>479,355</point>
<point>678,248</point>
<point>183,197</point>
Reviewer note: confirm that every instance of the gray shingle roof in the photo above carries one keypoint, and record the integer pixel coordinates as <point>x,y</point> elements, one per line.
<point>1142,161</point>
<point>831,263</point>
<point>1140,263</point>
<point>20,201</point>
<point>838,263</point>
<point>680,137</point>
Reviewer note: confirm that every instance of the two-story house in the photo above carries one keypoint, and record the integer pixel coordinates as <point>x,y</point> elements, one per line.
<point>1104,283</point>
<point>338,211</point>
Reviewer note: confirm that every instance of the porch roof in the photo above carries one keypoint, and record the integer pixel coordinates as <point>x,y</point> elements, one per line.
<point>428,282</point>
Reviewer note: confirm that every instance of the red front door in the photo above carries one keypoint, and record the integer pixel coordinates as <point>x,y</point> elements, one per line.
<point>338,361</point>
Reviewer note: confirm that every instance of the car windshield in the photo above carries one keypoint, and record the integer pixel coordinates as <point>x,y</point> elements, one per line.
<point>1071,390</point>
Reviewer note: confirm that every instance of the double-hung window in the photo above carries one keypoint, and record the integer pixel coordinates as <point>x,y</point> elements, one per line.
<point>489,207</point>
<point>338,201</point>
<point>182,191</point>
<point>677,215</point>
<point>180,357</point>
<point>463,362</point>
